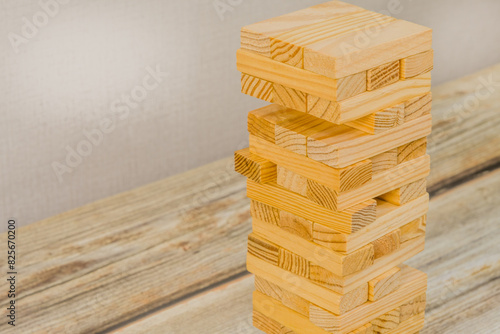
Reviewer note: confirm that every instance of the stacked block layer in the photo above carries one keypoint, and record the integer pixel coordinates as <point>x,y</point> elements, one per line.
<point>337,169</point>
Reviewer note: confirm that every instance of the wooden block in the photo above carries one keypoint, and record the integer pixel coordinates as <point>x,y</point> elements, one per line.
<point>268,288</point>
<point>263,250</point>
<point>387,322</point>
<point>406,193</point>
<point>413,283</point>
<point>274,72</point>
<point>262,122</point>
<point>387,244</point>
<point>380,121</point>
<point>264,212</point>
<point>369,102</point>
<point>343,146</point>
<point>417,64</point>
<point>384,161</point>
<point>254,167</point>
<point>289,46</point>
<point>418,107</point>
<point>412,325</point>
<point>338,264</point>
<point>306,289</point>
<point>291,181</point>
<point>412,150</point>
<point>256,87</point>
<point>293,135</point>
<point>289,97</point>
<point>384,284</point>
<point>413,307</point>
<point>257,37</point>
<point>341,179</point>
<point>293,263</point>
<point>382,75</point>
<point>344,55</point>
<point>296,303</point>
<point>347,221</point>
<point>414,229</point>
<point>321,258</point>
<point>407,178</point>
<point>296,225</point>
<point>266,324</point>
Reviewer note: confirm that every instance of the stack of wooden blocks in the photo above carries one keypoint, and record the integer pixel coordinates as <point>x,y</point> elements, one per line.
<point>337,169</point>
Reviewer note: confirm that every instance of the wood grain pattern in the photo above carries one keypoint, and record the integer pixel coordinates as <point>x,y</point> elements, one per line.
<point>296,303</point>
<point>266,324</point>
<point>265,212</point>
<point>259,88</point>
<point>340,147</point>
<point>264,250</point>
<point>290,98</point>
<point>384,161</point>
<point>412,150</point>
<point>381,120</point>
<point>387,322</point>
<point>270,289</point>
<point>254,167</point>
<point>406,193</point>
<point>383,75</point>
<point>262,122</point>
<point>336,178</point>
<point>296,225</point>
<point>347,221</point>
<point>387,244</point>
<point>418,107</point>
<point>414,229</point>
<point>413,307</point>
<point>417,64</point>
<point>384,284</point>
<point>293,263</point>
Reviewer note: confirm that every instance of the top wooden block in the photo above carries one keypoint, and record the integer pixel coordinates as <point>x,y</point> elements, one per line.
<point>336,39</point>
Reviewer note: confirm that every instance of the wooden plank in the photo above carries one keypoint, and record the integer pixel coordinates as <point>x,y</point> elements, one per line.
<point>384,161</point>
<point>412,150</point>
<point>340,147</point>
<point>406,193</point>
<point>265,213</point>
<point>383,75</point>
<point>340,57</point>
<point>381,120</point>
<point>417,64</point>
<point>463,292</point>
<point>387,322</point>
<point>256,87</point>
<point>343,179</point>
<point>256,37</point>
<point>413,307</point>
<point>254,167</point>
<point>264,250</point>
<point>296,225</point>
<point>418,106</point>
<point>387,244</point>
<point>347,221</point>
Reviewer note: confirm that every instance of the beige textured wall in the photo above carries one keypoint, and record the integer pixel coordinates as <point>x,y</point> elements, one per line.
<point>72,78</point>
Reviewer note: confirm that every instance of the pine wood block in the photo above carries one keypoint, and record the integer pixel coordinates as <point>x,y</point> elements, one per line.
<point>263,250</point>
<point>291,181</point>
<point>387,322</point>
<point>414,229</point>
<point>289,97</point>
<point>347,221</point>
<point>380,121</point>
<point>265,212</point>
<point>342,146</point>
<point>387,244</point>
<point>341,179</point>
<point>412,325</point>
<point>383,75</point>
<point>389,218</point>
<point>417,64</point>
<point>408,192</point>
<point>306,289</point>
<point>337,264</point>
<point>262,122</point>
<point>413,307</point>
<point>407,178</point>
<point>293,263</point>
<point>346,54</point>
<point>254,167</point>
<point>305,82</point>
<point>412,150</point>
<point>369,102</point>
<point>296,225</point>
<point>266,324</point>
<point>384,284</point>
<point>296,303</point>
<point>268,288</point>
<point>418,107</point>
<point>259,88</point>
<point>325,278</point>
<point>384,161</point>
<point>413,283</point>
<point>257,37</point>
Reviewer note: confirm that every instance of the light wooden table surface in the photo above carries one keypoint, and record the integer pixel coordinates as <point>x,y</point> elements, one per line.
<point>170,257</point>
